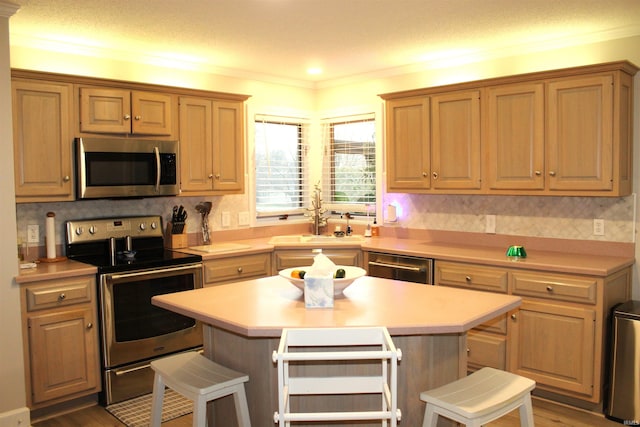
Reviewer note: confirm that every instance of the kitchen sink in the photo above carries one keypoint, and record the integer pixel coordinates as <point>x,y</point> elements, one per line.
<point>311,238</point>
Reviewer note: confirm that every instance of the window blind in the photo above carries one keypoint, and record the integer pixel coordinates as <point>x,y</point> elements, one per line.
<point>280,165</point>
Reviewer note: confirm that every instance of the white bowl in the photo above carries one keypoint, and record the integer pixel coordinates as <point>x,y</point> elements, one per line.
<point>351,274</point>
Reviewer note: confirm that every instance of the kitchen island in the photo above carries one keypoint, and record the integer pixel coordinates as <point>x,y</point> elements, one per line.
<point>243,322</point>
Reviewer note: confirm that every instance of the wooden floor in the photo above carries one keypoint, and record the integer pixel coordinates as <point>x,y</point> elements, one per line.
<point>546,414</point>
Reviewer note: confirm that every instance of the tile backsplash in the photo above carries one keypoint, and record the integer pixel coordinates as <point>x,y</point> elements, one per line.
<point>536,216</point>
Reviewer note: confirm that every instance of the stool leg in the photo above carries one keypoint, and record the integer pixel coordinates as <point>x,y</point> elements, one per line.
<point>242,408</point>
<point>200,413</point>
<point>156,402</point>
<point>430,417</point>
<point>526,412</point>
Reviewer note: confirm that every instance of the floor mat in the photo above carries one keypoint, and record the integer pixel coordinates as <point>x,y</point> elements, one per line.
<point>136,412</point>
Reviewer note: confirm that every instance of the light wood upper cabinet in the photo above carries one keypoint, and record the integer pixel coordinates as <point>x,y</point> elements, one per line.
<point>514,136</point>
<point>408,144</point>
<point>580,133</point>
<point>211,146</point>
<point>561,132</point>
<point>455,141</point>
<point>42,140</point>
<point>125,112</point>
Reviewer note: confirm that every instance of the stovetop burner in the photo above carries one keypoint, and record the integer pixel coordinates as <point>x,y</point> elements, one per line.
<point>88,241</point>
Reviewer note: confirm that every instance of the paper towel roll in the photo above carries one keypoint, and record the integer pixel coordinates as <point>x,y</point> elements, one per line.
<point>50,235</point>
<point>391,213</point>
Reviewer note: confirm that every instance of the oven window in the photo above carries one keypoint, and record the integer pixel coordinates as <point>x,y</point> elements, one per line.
<point>136,318</point>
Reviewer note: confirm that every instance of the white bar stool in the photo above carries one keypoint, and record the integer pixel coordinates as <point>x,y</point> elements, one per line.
<point>200,380</point>
<point>480,398</point>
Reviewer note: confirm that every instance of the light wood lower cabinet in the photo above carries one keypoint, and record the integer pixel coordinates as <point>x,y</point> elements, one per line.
<point>60,339</point>
<point>233,269</point>
<point>288,258</point>
<point>556,337</point>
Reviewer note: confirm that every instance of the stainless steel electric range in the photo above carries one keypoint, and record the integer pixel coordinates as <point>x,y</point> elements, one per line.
<point>133,266</point>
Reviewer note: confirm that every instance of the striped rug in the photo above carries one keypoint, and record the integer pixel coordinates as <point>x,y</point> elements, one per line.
<point>136,412</point>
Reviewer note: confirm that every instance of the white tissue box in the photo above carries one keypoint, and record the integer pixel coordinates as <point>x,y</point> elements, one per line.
<point>318,291</point>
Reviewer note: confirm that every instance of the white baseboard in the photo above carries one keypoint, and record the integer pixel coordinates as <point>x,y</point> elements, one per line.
<point>20,417</point>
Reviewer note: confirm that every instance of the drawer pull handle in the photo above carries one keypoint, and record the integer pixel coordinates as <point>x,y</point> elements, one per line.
<point>89,325</point>
<point>61,297</point>
<point>549,288</point>
<point>467,278</point>
<point>239,269</point>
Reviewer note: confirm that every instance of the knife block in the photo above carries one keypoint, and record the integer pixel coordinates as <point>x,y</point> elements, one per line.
<point>176,241</point>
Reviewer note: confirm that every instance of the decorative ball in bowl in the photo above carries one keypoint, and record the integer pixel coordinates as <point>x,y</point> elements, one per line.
<point>339,283</point>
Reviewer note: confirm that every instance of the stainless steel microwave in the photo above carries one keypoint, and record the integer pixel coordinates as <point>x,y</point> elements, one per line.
<point>120,168</point>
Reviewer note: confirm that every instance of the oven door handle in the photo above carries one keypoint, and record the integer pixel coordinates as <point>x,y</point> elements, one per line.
<point>158,171</point>
<point>114,277</point>
<point>397,266</point>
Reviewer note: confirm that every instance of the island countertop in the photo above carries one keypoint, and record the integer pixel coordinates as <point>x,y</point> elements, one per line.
<point>262,307</point>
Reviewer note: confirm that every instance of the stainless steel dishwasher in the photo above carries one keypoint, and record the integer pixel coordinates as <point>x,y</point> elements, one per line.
<point>400,267</point>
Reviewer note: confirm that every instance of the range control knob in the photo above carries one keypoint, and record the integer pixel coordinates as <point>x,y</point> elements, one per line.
<point>154,225</point>
<point>142,226</point>
<point>92,229</point>
<point>79,231</point>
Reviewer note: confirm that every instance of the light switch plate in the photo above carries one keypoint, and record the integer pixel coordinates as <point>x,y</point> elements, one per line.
<point>598,227</point>
<point>490,225</point>
<point>244,218</point>
<point>226,219</point>
<point>33,233</point>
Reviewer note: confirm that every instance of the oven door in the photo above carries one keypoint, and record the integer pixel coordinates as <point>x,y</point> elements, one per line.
<point>132,328</point>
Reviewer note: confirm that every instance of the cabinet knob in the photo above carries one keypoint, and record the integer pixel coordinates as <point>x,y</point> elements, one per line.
<point>217,176</point>
<point>210,176</point>
<point>424,174</point>
<point>552,173</point>
<point>538,173</point>
<point>435,175</point>
<point>513,317</point>
<point>126,117</point>
<point>239,269</point>
<point>62,296</point>
<point>89,325</point>
<point>549,288</point>
<point>66,178</point>
<point>467,278</point>
<point>138,117</point>
<point>468,350</point>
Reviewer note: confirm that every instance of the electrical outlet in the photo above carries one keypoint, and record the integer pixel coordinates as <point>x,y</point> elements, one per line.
<point>490,225</point>
<point>33,233</point>
<point>244,218</point>
<point>598,227</point>
<point>226,219</point>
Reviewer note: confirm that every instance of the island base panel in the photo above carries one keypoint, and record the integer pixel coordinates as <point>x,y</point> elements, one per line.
<point>428,361</point>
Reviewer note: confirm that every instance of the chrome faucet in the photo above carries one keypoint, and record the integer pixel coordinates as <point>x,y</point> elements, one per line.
<point>317,212</point>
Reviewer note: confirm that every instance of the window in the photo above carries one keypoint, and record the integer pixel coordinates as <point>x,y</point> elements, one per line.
<point>350,164</point>
<point>279,166</point>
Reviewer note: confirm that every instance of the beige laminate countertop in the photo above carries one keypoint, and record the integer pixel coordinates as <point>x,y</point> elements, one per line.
<point>55,270</point>
<point>262,307</point>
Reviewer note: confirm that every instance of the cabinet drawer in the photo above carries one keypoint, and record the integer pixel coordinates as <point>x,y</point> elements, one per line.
<point>471,277</point>
<point>58,293</point>
<point>304,257</point>
<point>497,325</point>
<point>486,350</point>
<point>237,268</point>
<point>556,287</point>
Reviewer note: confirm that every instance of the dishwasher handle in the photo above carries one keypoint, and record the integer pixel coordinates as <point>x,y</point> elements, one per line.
<point>398,266</point>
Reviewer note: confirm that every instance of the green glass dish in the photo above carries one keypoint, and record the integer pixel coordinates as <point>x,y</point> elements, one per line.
<point>516,252</point>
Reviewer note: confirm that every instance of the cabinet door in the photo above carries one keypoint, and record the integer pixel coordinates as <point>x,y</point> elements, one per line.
<point>515,137</point>
<point>42,141</point>
<point>63,354</point>
<point>105,110</point>
<point>554,345</point>
<point>408,147</point>
<point>580,133</point>
<point>151,113</point>
<point>196,149</point>
<point>455,140</point>
<point>228,146</point>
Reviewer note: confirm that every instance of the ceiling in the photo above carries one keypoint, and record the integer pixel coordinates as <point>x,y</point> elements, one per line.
<point>282,39</point>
